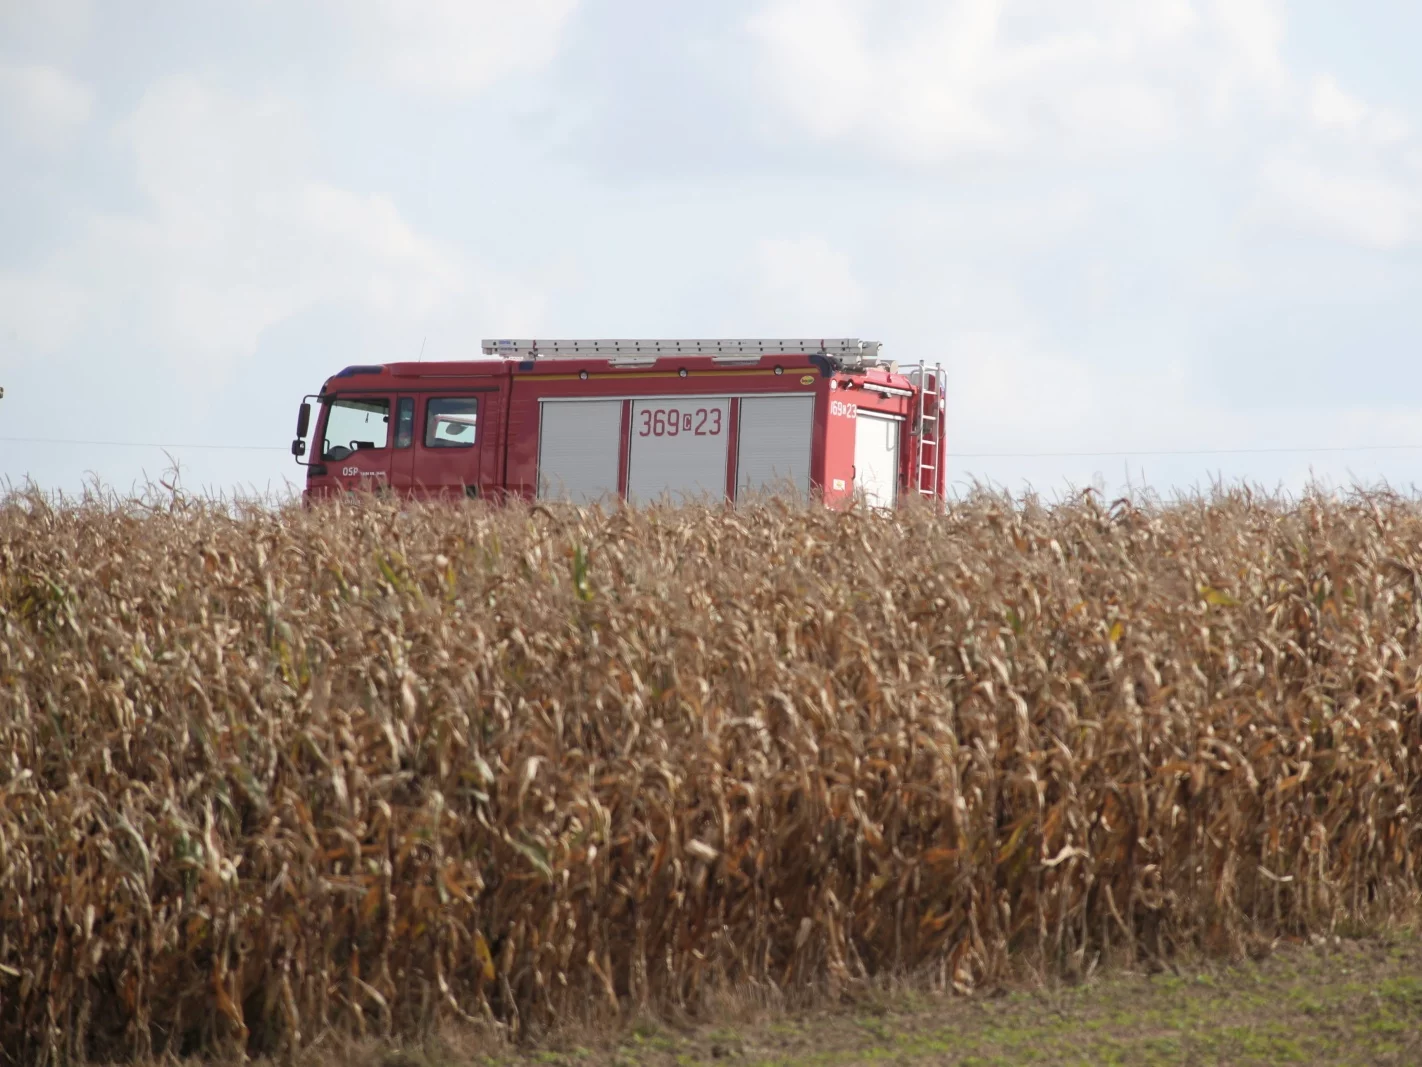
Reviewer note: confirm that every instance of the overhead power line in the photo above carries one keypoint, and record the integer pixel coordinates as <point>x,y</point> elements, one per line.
<point>1181,452</point>
<point>139,444</point>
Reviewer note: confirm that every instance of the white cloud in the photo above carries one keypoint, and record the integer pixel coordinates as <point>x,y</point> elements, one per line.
<point>1344,177</point>
<point>932,80</point>
<point>1132,110</point>
<point>1390,128</point>
<point>1003,381</point>
<point>454,46</point>
<point>804,282</point>
<point>1022,409</point>
<point>238,236</point>
<point>825,80</point>
<point>37,313</point>
<point>938,81</point>
<point>42,104</point>
<point>1254,30</point>
<point>48,25</point>
<point>1334,110</point>
<point>1368,209</point>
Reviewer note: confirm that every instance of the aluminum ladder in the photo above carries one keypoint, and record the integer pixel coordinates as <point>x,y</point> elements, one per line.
<point>928,428</point>
<point>844,353</point>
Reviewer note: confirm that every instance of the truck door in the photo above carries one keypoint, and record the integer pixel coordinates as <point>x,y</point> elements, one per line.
<point>355,442</point>
<point>876,458</point>
<point>450,439</point>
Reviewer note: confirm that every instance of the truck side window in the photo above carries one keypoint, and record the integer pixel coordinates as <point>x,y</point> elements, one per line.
<point>405,422</point>
<point>450,422</point>
<point>355,425</point>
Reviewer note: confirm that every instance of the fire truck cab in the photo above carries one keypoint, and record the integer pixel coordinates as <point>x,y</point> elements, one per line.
<point>639,420</point>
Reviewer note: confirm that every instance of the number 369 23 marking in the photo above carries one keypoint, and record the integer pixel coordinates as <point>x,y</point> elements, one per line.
<point>672,422</point>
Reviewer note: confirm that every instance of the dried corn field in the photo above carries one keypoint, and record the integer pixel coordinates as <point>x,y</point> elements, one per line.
<point>274,778</point>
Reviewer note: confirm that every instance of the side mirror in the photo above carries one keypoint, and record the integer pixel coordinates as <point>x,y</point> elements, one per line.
<point>303,420</point>
<point>298,448</point>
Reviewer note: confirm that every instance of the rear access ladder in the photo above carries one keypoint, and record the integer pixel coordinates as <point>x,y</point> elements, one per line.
<point>928,428</point>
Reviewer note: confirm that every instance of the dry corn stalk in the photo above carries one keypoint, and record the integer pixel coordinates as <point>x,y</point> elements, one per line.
<point>270,773</point>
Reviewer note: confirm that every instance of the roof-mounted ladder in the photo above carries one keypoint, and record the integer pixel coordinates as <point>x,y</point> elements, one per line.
<point>843,352</point>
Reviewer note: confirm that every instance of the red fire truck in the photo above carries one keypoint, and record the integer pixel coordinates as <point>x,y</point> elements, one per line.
<point>640,420</point>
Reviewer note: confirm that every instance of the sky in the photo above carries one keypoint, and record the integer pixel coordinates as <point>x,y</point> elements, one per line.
<point>1159,243</point>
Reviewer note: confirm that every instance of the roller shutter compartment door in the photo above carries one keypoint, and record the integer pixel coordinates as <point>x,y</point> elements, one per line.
<point>679,449</point>
<point>876,459</point>
<point>578,449</point>
<point>773,452</point>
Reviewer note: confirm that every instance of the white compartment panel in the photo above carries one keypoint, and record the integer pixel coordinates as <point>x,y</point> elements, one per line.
<point>679,448</point>
<point>577,449</point>
<point>774,449</point>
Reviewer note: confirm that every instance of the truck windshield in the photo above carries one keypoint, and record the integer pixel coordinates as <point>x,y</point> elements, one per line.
<point>355,425</point>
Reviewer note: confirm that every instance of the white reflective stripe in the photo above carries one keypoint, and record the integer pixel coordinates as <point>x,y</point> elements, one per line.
<point>774,444</point>
<point>679,447</point>
<point>578,449</point>
<point>876,458</point>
